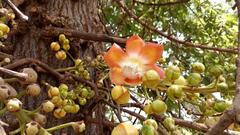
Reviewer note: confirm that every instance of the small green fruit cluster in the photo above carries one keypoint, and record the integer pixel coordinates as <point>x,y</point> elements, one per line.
<point>63,100</point>
<point>60,47</point>
<point>81,70</point>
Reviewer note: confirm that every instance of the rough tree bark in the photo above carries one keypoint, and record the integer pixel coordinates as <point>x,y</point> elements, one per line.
<point>28,42</point>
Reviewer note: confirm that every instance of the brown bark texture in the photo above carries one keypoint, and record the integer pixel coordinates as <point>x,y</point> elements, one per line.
<point>29,42</point>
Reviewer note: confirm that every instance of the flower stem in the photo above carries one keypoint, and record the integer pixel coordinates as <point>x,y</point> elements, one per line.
<point>60,126</point>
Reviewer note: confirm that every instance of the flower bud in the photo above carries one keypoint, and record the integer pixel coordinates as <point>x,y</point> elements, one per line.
<point>61,55</point>
<point>198,67</point>
<point>120,95</point>
<point>169,123</point>
<point>61,38</point>
<point>7,91</point>
<point>32,128</point>
<point>53,91</point>
<point>66,47</point>
<point>79,127</point>
<point>222,87</point>
<point>175,92</point>
<point>220,106</point>
<point>77,62</point>
<point>4,28</point>
<point>32,76</point>
<point>63,87</point>
<point>172,73</point>
<point>151,122</point>
<point>40,118</point>
<point>159,107</point>
<point>216,70</point>
<point>14,105</point>
<point>55,46</point>
<point>57,101</point>
<point>59,113</point>
<point>194,79</point>
<point>82,101</point>
<point>151,78</point>
<point>33,89</point>
<point>48,106</point>
<point>181,81</point>
<point>148,109</point>
<point>148,130</point>
<point>125,129</point>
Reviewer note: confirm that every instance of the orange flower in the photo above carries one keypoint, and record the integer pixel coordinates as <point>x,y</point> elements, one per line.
<point>128,67</point>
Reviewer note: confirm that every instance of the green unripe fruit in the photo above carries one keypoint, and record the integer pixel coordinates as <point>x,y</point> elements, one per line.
<point>169,123</point>
<point>76,108</point>
<point>216,70</point>
<point>158,106</point>
<point>151,79</point>
<point>1,33</point>
<point>68,108</point>
<point>151,122</point>
<point>65,42</point>
<point>148,109</point>
<point>222,87</point>
<point>32,128</point>
<point>77,62</point>
<point>33,89</point>
<point>82,101</point>
<point>66,47</point>
<point>59,113</point>
<point>194,79</point>
<point>172,73</point>
<point>198,67</point>
<point>57,101</point>
<point>53,91</point>
<point>40,118</point>
<point>148,130</point>
<point>61,55</point>
<point>175,92</point>
<point>31,76</point>
<point>63,87</point>
<point>4,28</point>
<point>181,81</point>
<point>61,38</point>
<point>48,106</point>
<point>55,46</point>
<point>14,105</point>
<point>220,106</point>
<point>84,92</point>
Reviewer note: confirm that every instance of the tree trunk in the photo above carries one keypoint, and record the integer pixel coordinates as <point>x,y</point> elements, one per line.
<point>80,15</point>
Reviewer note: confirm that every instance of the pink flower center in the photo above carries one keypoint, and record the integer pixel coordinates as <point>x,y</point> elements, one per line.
<point>132,68</point>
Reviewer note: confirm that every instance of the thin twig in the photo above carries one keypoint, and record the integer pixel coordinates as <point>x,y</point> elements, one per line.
<point>163,4</point>
<point>17,11</point>
<point>22,76</point>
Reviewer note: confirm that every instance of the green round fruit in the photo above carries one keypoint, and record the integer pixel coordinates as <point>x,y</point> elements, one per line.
<point>216,70</point>
<point>220,106</point>
<point>169,123</point>
<point>175,92</point>
<point>158,106</point>
<point>172,73</point>
<point>198,67</point>
<point>148,130</point>
<point>194,79</point>
<point>222,87</point>
<point>181,81</point>
<point>151,79</point>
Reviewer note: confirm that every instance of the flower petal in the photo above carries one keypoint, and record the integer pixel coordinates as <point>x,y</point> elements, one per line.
<point>156,68</point>
<point>114,56</point>
<point>116,76</point>
<point>133,82</point>
<point>134,45</point>
<point>151,52</point>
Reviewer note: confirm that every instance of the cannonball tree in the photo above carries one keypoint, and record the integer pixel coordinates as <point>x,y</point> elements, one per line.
<point>119,67</point>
